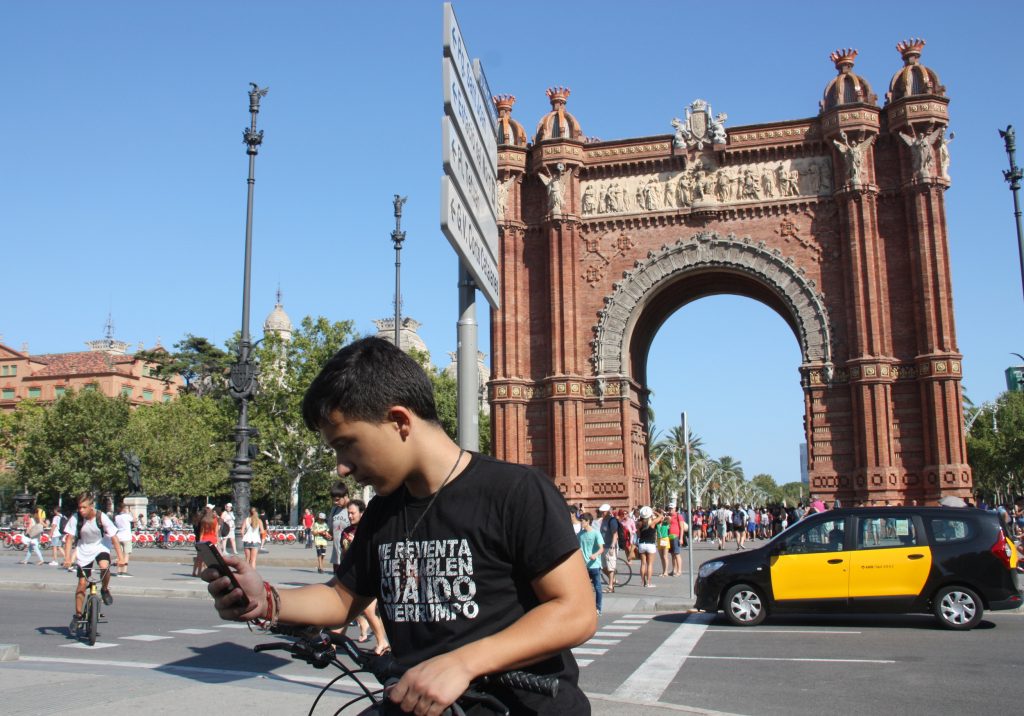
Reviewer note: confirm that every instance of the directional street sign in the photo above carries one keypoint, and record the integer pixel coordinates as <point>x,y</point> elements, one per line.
<point>469,205</point>
<point>468,241</point>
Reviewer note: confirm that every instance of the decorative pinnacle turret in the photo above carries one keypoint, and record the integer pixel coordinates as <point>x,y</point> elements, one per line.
<point>910,49</point>
<point>843,58</point>
<point>503,102</point>
<point>558,95</point>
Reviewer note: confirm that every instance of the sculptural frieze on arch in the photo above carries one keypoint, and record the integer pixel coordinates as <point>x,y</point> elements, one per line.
<point>833,221</point>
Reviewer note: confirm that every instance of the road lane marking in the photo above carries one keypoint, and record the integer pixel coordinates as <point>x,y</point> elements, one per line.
<point>614,634</point>
<point>603,641</point>
<point>638,616</point>
<point>789,658</point>
<point>145,637</point>
<point>744,633</point>
<point>583,651</point>
<point>231,625</point>
<point>622,627</point>
<point>635,622</point>
<point>82,645</point>
<point>193,631</point>
<point>584,662</point>
<point>650,680</point>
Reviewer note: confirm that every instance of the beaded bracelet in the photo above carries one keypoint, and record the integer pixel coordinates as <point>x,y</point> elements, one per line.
<point>273,612</point>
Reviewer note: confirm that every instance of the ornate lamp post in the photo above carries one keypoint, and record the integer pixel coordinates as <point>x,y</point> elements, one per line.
<point>398,236</point>
<point>1013,177</point>
<point>243,373</point>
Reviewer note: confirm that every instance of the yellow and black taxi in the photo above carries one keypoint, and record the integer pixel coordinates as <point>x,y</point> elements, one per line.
<point>952,562</point>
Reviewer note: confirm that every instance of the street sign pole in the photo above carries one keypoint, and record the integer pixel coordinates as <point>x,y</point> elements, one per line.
<point>468,207</point>
<point>467,376</point>
<point>689,504</point>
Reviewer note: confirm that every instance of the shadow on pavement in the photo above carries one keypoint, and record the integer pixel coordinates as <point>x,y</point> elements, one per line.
<point>223,663</point>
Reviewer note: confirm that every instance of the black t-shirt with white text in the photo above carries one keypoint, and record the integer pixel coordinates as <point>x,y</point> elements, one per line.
<point>466,569</point>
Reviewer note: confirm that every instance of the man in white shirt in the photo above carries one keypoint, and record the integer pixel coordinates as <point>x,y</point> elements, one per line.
<point>94,540</point>
<point>124,521</point>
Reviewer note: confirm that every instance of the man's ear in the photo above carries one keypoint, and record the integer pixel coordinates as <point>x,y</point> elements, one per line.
<point>402,419</point>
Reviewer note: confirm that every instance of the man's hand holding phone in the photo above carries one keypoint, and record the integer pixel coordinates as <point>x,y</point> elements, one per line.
<point>236,588</point>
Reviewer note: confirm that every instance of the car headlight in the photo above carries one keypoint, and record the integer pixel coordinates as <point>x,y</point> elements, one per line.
<point>709,568</point>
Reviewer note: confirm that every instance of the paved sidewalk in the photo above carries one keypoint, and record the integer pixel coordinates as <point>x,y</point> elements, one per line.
<point>166,573</point>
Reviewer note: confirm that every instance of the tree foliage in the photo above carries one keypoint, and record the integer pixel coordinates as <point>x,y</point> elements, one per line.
<point>995,448</point>
<point>291,458</point>
<point>184,446</point>
<point>75,446</point>
<point>200,364</point>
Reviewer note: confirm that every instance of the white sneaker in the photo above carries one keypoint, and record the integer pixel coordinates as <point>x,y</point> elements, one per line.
<point>53,564</point>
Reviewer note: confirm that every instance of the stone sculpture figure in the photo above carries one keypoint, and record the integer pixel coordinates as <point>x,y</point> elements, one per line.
<point>767,183</point>
<point>589,200</point>
<point>944,155</point>
<point>556,195</point>
<point>794,182</point>
<point>813,178</point>
<point>921,152</point>
<point>854,154</point>
<point>503,187</point>
<point>825,177</point>
<point>723,185</point>
<point>132,465</point>
<point>683,189</point>
<point>750,189</point>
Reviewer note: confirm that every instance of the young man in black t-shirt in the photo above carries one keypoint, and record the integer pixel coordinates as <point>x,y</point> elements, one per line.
<point>472,559</point>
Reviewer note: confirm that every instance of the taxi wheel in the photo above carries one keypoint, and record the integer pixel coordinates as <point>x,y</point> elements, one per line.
<point>957,608</point>
<point>744,605</point>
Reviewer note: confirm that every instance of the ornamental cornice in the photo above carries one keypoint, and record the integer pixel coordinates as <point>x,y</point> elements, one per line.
<point>709,250</point>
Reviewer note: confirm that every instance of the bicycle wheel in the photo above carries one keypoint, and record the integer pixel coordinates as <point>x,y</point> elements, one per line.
<point>92,616</point>
<point>623,571</point>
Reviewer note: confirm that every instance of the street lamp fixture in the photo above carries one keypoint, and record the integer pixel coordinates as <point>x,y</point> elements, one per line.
<point>242,385</point>
<point>398,236</point>
<point>1013,177</point>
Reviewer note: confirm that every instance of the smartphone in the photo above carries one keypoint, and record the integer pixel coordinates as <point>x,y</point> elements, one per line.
<point>209,553</point>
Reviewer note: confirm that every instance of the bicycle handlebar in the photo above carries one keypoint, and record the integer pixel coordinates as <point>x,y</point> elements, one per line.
<point>318,647</point>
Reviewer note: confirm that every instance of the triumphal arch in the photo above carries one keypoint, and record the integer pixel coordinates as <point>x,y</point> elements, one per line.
<point>836,221</point>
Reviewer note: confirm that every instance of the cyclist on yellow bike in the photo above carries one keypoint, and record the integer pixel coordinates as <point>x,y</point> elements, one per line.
<point>475,567</point>
<point>93,534</point>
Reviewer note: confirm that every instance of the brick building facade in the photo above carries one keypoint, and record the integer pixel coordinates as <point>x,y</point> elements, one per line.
<point>837,222</point>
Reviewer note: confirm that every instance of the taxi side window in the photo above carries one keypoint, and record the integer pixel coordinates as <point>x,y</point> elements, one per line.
<point>825,536</point>
<point>951,530</point>
<point>885,531</point>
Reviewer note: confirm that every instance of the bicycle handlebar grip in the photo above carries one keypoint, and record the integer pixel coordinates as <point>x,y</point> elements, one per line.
<point>525,681</point>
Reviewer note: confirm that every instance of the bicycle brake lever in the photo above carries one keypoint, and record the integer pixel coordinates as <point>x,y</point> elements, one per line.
<point>272,647</point>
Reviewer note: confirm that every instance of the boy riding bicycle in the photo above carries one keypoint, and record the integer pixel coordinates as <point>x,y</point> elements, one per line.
<point>475,567</point>
<point>93,534</point>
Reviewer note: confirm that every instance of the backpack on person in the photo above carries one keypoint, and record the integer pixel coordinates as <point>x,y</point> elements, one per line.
<point>739,518</point>
<point>78,527</point>
<point>622,535</point>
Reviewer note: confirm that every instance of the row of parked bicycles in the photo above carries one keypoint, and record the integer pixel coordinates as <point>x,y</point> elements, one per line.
<point>14,538</point>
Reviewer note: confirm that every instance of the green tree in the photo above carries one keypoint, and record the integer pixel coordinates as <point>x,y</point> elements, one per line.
<point>765,484</point>
<point>184,446</point>
<point>995,448</point>
<point>293,462</point>
<point>668,465</point>
<point>446,398</point>
<point>75,446</point>
<point>794,492</point>
<point>202,365</point>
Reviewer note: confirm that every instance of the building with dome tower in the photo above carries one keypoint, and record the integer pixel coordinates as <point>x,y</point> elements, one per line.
<point>278,321</point>
<point>836,221</point>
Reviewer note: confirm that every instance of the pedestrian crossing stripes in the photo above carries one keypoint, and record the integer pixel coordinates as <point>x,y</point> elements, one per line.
<point>193,631</point>
<point>145,637</point>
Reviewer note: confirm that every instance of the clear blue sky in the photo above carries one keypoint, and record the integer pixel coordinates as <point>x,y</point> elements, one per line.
<point>122,169</point>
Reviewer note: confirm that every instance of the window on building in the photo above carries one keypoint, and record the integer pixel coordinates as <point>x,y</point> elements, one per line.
<point>147,394</point>
<point>8,394</point>
<point>126,391</point>
<point>4,369</point>
<point>167,397</point>
<point>35,392</point>
<point>90,386</point>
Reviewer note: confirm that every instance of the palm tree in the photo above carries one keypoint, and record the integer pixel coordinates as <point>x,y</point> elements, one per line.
<point>668,464</point>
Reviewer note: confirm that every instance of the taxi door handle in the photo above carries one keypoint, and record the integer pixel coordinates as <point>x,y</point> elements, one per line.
<point>836,561</point>
<point>915,556</point>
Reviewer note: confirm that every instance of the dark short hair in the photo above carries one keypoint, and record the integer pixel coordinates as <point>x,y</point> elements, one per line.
<point>364,380</point>
<point>586,517</point>
<point>358,503</point>
<point>339,489</point>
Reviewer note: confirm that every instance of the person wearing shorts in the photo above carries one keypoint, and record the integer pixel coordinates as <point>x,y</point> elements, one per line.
<point>647,535</point>
<point>94,540</point>
<point>320,533</point>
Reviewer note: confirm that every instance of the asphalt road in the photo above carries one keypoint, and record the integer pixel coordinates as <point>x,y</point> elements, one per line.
<point>161,654</point>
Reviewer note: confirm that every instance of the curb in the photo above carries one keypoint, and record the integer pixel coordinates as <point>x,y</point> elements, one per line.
<point>163,592</point>
<point>10,652</point>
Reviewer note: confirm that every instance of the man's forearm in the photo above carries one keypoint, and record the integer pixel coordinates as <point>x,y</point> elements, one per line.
<point>320,605</point>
